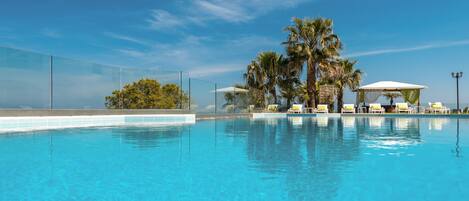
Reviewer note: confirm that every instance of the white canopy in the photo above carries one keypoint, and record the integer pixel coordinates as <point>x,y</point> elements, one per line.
<point>390,86</point>
<point>232,89</point>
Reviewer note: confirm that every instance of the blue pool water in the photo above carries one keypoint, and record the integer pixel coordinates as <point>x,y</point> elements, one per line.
<point>241,159</point>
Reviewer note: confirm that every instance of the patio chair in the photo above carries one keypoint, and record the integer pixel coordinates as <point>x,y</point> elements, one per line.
<point>376,108</point>
<point>438,107</point>
<point>296,108</point>
<point>322,108</point>
<point>272,108</point>
<point>348,108</point>
<point>403,107</point>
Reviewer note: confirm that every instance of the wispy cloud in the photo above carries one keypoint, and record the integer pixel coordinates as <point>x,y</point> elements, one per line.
<point>226,10</point>
<point>199,56</point>
<point>127,38</point>
<point>161,19</point>
<point>409,49</point>
<point>242,10</point>
<point>215,69</point>
<point>198,12</point>
<point>132,53</point>
<point>51,33</point>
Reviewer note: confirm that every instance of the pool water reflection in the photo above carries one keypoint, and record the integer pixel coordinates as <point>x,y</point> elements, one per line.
<point>292,158</point>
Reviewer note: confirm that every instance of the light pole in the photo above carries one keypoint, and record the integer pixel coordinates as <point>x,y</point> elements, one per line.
<point>457,75</point>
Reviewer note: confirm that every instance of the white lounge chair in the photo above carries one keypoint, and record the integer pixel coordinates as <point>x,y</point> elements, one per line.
<point>296,108</point>
<point>376,108</point>
<point>438,107</point>
<point>403,107</point>
<point>348,108</point>
<point>272,108</point>
<point>322,108</point>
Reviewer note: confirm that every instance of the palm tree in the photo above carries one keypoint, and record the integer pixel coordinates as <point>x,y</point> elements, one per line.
<point>262,76</point>
<point>344,75</point>
<point>289,78</point>
<point>270,63</point>
<point>314,42</point>
<point>255,82</point>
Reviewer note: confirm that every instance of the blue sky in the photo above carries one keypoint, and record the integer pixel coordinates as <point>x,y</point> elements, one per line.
<point>418,41</point>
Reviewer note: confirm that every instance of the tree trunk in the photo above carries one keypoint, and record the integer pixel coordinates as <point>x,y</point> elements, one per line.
<point>288,102</point>
<point>274,94</point>
<point>311,84</point>
<point>340,99</point>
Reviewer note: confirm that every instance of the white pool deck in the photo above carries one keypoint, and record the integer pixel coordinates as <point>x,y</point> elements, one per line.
<point>35,123</point>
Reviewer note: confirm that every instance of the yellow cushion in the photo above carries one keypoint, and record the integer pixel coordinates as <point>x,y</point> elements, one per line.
<point>272,107</point>
<point>296,107</point>
<point>322,107</point>
<point>402,106</point>
<point>375,106</point>
<point>437,105</point>
<point>348,107</point>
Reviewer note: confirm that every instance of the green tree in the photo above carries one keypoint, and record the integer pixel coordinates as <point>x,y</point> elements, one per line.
<point>314,41</point>
<point>146,94</point>
<point>270,63</point>
<point>262,76</point>
<point>343,75</point>
<point>289,79</point>
<point>255,81</point>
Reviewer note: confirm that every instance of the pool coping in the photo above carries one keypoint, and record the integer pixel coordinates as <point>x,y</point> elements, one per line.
<point>81,112</point>
<point>37,123</point>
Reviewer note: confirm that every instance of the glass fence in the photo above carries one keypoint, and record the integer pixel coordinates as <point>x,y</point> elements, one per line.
<point>35,81</point>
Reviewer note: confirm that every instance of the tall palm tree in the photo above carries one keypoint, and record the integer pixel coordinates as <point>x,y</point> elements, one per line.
<point>270,62</point>
<point>255,81</point>
<point>315,42</point>
<point>344,75</point>
<point>289,78</point>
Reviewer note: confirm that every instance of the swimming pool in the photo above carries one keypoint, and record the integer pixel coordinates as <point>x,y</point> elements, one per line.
<point>295,158</point>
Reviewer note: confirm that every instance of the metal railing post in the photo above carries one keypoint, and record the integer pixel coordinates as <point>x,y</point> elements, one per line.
<point>180,90</point>
<point>189,93</point>
<point>51,83</point>
<point>215,98</point>
<point>121,98</point>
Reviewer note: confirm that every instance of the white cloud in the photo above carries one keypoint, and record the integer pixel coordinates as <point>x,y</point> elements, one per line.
<point>132,53</point>
<point>198,12</point>
<point>127,38</point>
<point>408,49</point>
<point>161,19</point>
<point>215,69</point>
<point>51,33</point>
<point>225,10</point>
<point>200,56</point>
<point>242,10</point>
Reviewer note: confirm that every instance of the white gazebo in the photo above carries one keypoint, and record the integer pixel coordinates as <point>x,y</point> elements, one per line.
<point>234,90</point>
<point>231,90</point>
<point>371,92</point>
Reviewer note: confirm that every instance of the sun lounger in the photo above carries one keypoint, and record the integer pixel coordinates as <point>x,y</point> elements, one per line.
<point>403,107</point>
<point>296,108</point>
<point>348,108</point>
<point>437,107</point>
<point>272,108</point>
<point>322,108</point>
<point>376,108</point>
